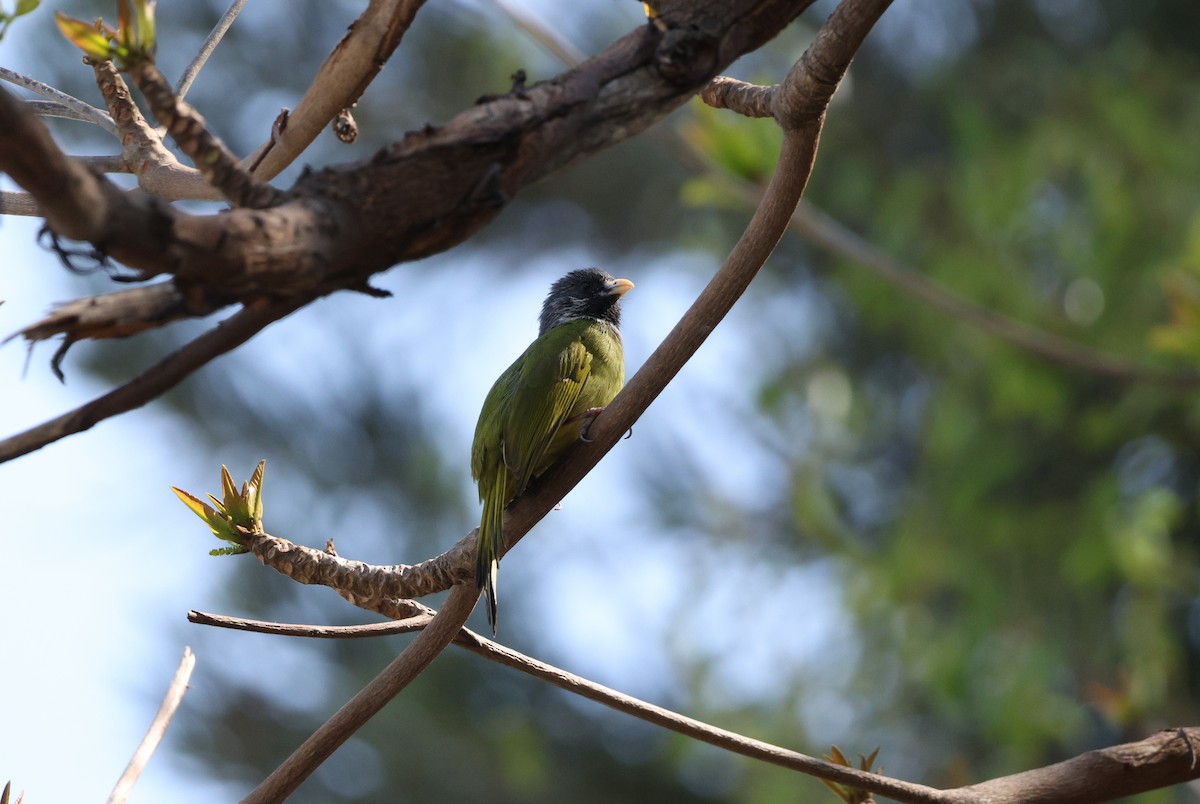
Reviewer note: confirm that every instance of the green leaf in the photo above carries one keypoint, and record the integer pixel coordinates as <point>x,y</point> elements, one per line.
<point>26,6</point>
<point>135,26</point>
<point>86,36</point>
<point>216,520</point>
<point>256,481</point>
<point>228,487</point>
<point>231,517</point>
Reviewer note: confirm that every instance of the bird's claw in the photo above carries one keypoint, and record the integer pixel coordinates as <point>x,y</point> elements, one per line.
<point>590,416</point>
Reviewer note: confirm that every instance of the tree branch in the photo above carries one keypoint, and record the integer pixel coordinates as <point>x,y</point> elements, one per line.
<point>432,640</point>
<point>820,228</point>
<point>158,728</point>
<point>1166,758</point>
<point>144,153</point>
<point>230,333</point>
<point>802,103</point>
<point>342,225</point>
<point>340,81</point>
<point>210,44</point>
<point>750,100</point>
<point>207,152</point>
<point>659,716</point>
<point>85,111</point>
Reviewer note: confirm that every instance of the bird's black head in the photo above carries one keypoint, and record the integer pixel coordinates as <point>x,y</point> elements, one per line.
<point>586,293</point>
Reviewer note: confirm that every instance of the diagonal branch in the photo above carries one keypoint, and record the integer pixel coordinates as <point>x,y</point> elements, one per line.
<point>643,710</point>
<point>85,111</point>
<point>1164,759</point>
<point>168,372</point>
<point>440,631</point>
<point>801,111</point>
<point>158,728</point>
<point>340,81</point>
<point>210,44</point>
<point>820,228</point>
<point>814,225</point>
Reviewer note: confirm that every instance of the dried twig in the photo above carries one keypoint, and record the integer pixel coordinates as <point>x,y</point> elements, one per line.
<point>85,110</point>
<point>158,728</point>
<point>168,372</point>
<point>210,44</point>
<point>528,20</point>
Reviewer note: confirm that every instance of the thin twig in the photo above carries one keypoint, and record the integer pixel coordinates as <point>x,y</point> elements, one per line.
<point>390,628</point>
<point>210,44</point>
<point>158,728</point>
<point>827,232</point>
<point>49,108</point>
<point>643,710</point>
<point>545,35</point>
<point>165,374</point>
<point>85,110</point>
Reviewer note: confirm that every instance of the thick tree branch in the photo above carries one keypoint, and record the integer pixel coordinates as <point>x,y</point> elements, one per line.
<point>422,195</point>
<point>418,197</point>
<point>76,201</point>
<point>1166,758</point>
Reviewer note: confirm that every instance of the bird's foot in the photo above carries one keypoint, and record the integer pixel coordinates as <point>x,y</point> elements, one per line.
<point>590,415</point>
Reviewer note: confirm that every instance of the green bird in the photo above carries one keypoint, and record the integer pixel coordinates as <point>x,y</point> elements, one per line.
<point>541,403</point>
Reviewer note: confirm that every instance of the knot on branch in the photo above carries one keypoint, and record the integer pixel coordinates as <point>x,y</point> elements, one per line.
<point>686,56</point>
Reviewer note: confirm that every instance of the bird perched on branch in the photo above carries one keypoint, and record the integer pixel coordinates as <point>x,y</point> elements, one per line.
<point>544,400</point>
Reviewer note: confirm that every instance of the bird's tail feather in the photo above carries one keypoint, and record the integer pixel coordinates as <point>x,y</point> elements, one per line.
<point>487,559</point>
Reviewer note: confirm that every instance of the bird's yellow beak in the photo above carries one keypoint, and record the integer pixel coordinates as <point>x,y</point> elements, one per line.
<point>622,286</point>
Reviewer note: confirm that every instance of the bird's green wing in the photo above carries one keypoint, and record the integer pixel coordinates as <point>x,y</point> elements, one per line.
<point>545,396</point>
<point>487,450</point>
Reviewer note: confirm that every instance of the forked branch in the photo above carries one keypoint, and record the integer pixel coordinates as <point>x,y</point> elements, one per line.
<point>1164,759</point>
<point>800,112</point>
